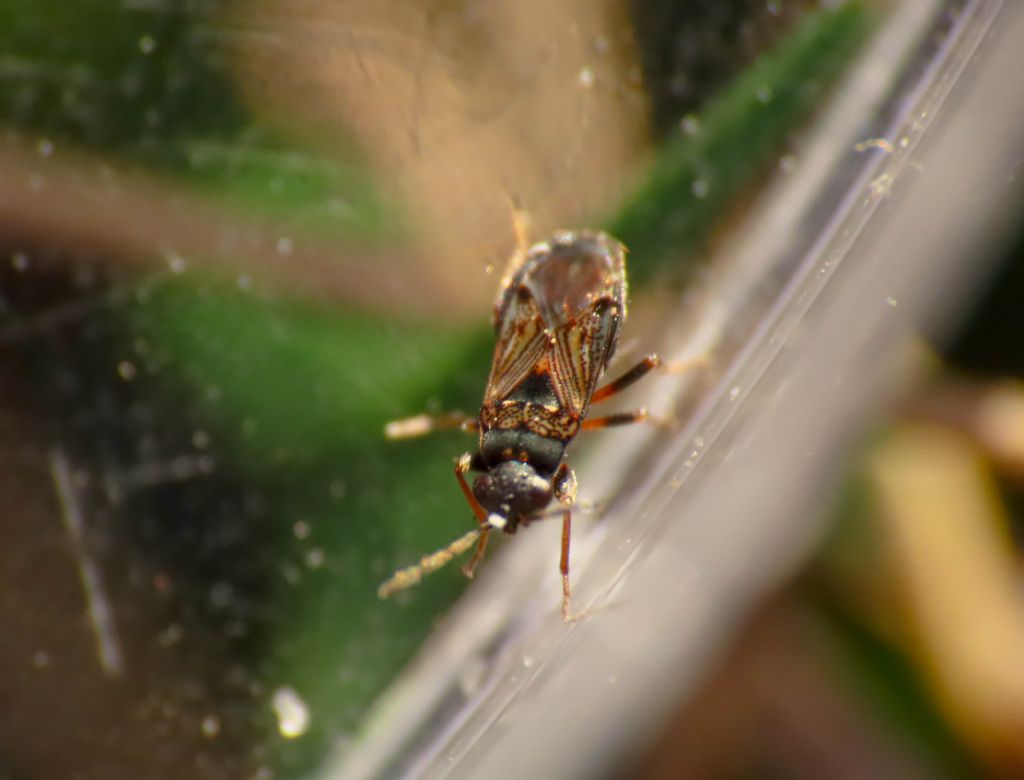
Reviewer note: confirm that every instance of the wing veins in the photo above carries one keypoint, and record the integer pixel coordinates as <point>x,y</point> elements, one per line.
<point>521,345</point>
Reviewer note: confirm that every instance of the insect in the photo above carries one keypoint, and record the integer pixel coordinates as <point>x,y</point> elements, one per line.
<point>557,319</point>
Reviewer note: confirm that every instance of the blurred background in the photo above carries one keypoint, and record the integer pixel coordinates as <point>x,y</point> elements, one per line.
<point>237,237</point>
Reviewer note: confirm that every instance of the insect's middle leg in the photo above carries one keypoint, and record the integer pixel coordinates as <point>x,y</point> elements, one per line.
<point>422,424</point>
<point>621,418</point>
<point>636,373</point>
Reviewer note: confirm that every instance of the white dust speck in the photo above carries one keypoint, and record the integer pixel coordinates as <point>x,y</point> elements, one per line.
<point>291,711</point>
<point>472,676</point>
<point>221,595</point>
<point>171,635</point>
<point>210,726</point>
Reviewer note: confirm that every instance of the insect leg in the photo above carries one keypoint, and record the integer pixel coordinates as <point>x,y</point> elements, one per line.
<point>621,418</point>
<point>565,492</point>
<point>640,370</point>
<point>521,231</point>
<point>422,424</point>
<point>564,564</point>
<point>637,372</point>
<point>520,226</point>
<point>481,545</point>
<point>461,467</point>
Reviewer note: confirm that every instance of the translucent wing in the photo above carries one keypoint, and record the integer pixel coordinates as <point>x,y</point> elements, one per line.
<point>580,352</point>
<point>522,342</point>
<point>559,315</point>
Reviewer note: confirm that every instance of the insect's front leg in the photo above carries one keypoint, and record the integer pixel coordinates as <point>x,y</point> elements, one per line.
<point>422,424</point>
<point>464,464</point>
<point>564,485</point>
<point>565,492</point>
<point>470,568</point>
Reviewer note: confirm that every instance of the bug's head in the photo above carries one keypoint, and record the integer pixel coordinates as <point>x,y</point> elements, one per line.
<point>512,490</point>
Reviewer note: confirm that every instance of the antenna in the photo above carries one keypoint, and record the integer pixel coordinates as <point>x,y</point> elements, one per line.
<point>413,575</point>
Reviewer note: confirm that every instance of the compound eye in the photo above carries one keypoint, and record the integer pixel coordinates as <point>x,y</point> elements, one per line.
<point>532,495</point>
<point>486,492</point>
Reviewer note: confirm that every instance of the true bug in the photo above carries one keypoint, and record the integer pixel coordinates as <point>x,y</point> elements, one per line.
<point>557,320</point>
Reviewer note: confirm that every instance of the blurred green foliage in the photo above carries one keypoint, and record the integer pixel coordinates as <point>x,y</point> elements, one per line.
<point>872,661</point>
<point>295,399</point>
<point>302,398</point>
<point>701,168</point>
<point>134,80</point>
<point>879,678</point>
<point>152,83</point>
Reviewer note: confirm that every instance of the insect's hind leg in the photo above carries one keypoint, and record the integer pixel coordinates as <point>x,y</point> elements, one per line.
<point>636,373</point>
<point>422,424</point>
<point>648,364</point>
<point>520,226</point>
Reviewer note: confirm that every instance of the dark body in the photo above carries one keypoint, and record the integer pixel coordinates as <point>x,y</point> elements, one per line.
<point>557,323</point>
